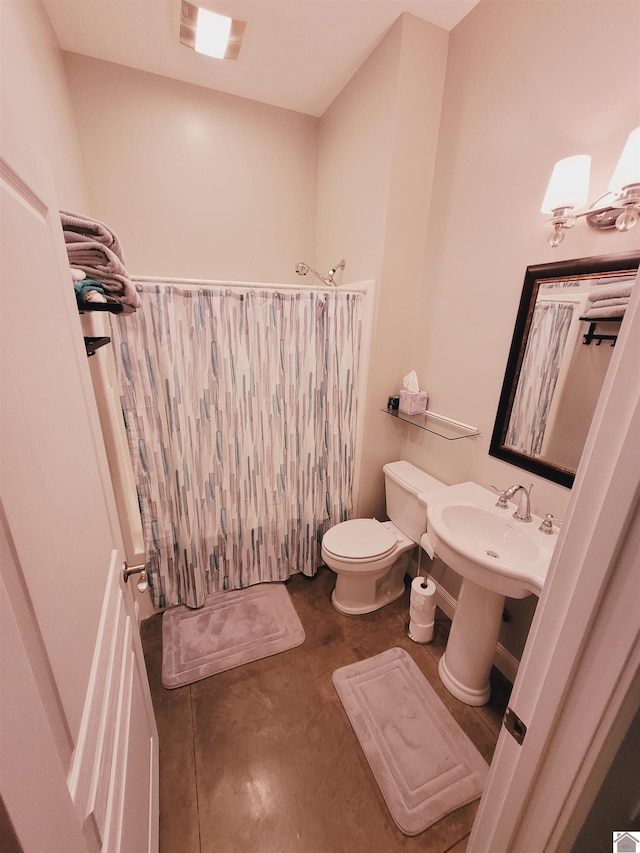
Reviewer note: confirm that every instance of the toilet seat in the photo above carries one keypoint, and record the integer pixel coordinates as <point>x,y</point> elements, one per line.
<point>359,540</point>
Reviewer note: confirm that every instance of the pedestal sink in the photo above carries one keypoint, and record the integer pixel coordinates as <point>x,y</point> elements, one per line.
<point>497,556</point>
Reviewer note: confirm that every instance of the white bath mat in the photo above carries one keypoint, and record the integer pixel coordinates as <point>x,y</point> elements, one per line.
<point>232,628</point>
<point>424,764</point>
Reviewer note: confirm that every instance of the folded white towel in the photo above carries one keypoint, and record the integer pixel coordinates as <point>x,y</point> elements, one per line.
<point>603,313</point>
<point>606,279</point>
<point>606,303</point>
<point>610,291</point>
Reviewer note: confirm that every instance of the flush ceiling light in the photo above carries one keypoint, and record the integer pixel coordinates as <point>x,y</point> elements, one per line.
<point>568,190</point>
<point>209,33</point>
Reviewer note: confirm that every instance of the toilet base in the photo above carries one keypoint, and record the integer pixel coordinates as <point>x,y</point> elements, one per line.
<point>359,610</point>
<point>356,593</point>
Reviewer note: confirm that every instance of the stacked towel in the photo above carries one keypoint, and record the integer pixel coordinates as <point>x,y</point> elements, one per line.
<point>94,248</point>
<point>609,300</point>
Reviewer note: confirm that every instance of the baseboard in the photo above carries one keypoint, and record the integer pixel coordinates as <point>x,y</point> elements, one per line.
<point>503,659</point>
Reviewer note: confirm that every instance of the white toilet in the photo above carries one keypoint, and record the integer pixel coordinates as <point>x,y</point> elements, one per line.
<point>371,557</point>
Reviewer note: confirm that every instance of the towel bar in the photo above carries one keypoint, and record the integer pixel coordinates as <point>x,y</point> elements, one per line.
<point>598,337</point>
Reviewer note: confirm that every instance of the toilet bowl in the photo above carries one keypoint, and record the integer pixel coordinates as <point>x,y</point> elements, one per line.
<point>370,558</point>
<point>364,553</point>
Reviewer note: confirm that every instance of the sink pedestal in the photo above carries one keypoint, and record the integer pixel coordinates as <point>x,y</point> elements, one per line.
<point>497,556</point>
<point>466,664</point>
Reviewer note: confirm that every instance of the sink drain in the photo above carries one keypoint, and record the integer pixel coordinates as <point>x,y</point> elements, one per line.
<point>491,554</point>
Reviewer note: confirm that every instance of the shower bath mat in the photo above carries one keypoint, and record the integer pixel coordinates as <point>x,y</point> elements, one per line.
<point>424,764</point>
<point>232,628</point>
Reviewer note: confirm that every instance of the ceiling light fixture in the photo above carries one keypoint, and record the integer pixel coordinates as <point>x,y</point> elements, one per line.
<point>209,33</point>
<point>568,191</point>
<point>212,33</point>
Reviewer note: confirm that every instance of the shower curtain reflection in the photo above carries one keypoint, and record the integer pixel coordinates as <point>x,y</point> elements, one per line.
<point>538,376</point>
<point>240,412</point>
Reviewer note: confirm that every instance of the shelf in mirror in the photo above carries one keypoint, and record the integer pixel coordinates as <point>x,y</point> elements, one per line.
<point>598,337</point>
<point>437,424</point>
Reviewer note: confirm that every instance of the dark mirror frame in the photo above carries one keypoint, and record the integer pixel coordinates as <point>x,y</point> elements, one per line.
<point>580,267</point>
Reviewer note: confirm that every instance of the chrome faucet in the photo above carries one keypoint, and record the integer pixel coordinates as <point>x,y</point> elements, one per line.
<point>523,512</point>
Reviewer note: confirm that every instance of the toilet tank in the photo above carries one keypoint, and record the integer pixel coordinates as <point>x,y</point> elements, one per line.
<point>403,482</point>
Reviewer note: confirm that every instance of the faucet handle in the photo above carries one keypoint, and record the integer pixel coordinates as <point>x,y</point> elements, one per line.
<point>547,525</point>
<point>501,503</point>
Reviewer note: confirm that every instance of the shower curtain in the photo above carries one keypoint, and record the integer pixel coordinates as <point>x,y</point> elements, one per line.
<point>538,376</point>
<point>240,410</point>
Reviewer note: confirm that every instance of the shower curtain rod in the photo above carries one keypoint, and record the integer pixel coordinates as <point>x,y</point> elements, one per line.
<point>257,285</point>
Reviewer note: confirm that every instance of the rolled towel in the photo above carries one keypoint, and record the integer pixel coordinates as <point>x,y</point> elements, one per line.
<point>76,274</point>
<point>603,313</point>
<point>611,291</point>
<point>88,291</point>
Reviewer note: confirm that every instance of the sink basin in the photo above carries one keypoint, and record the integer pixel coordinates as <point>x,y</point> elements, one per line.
<point>486,544</point>
<point>497,556</point>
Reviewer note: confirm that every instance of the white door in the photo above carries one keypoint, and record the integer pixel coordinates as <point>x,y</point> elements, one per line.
<point>78,733</point>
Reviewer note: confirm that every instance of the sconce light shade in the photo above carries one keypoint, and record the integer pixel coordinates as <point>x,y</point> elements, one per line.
<point>628,169</point>
<point>569,184</point>
<point>568,191</point>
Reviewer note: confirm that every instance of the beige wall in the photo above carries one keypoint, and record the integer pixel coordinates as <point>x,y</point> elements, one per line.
<point>448,248</point>
<point>510,111</point>
<point>196,183</point>
<point>34,87</point>
<point>377,149</point>
<point>508,116</point>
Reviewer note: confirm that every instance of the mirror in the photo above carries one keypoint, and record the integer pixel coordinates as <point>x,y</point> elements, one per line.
<point>557,363</point>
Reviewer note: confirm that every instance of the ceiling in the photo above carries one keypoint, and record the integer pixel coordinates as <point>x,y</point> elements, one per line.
<point>296,54</point>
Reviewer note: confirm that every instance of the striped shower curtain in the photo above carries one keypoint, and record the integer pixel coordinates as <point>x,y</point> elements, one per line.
<point>240,410</point>
<point>538,376</point>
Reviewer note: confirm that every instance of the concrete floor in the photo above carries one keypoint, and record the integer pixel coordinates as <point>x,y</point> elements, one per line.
<point>262,758</point>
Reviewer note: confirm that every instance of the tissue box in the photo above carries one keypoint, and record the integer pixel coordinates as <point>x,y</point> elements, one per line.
<point>413,402</point>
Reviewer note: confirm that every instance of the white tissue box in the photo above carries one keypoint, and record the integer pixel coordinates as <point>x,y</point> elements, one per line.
<point>413,402</point>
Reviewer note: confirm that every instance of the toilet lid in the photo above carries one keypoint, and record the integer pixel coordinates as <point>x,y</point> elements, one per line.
<point>359,539</point>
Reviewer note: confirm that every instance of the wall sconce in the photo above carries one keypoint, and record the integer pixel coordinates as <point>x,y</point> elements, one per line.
<point>568,190</point>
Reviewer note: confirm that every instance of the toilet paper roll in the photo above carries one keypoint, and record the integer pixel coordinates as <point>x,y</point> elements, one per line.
<point>422,609</point>
<point>422,603</point>
<point>421,633</point>
<point>423,617</point>
<point>423,596</point>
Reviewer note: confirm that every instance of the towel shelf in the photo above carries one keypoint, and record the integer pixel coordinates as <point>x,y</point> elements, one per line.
<point>92,344</point>
<point>436,424</point>
<point>598,337</point>
<point>111,307</point>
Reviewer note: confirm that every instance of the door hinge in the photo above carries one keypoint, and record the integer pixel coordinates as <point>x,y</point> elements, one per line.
<point>514,725</point>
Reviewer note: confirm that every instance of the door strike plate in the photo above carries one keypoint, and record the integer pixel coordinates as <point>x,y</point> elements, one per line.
<point>514,725</point>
